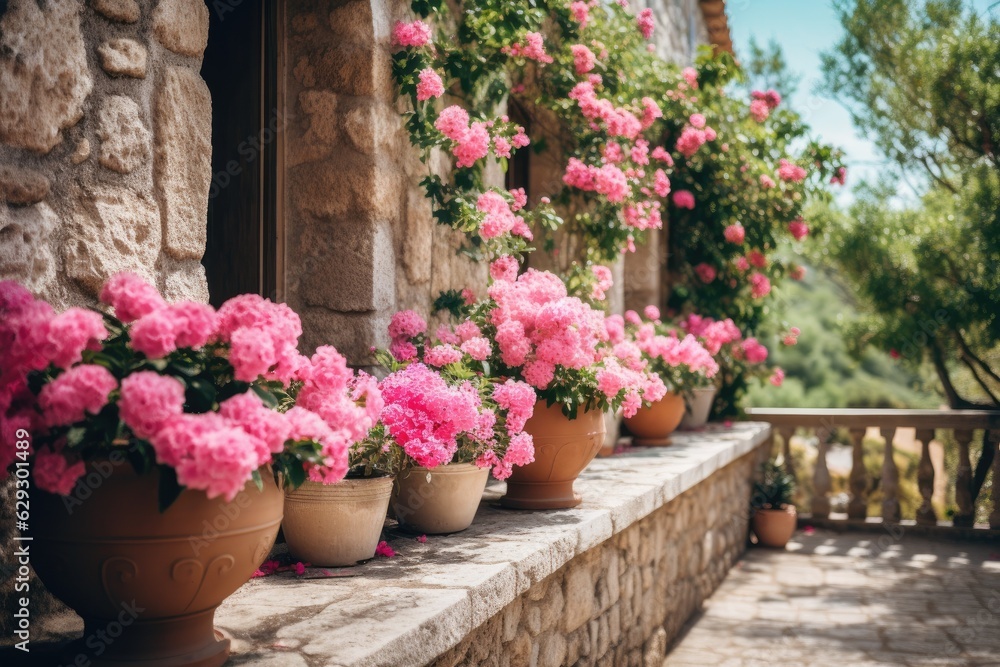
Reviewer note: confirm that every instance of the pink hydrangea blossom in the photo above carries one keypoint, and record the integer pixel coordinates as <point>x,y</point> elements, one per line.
<point>651,312</point>
<point>650,112</point>
<point>760,286</point>
<point>148,400</point>
<point>690,75</point>
<point>521,450</point>
<point>759,110</point>
<point>735,233</point>
<point>660,153</point>
<point>73,331</point>
<point>615,327</point>
<point>501,147</point>
<point>705,272</point>
<point>195,323</point>
<point>753,351</point>
<point>263,337</point>
<point>661,184</point>
<point>442,355</point>
<point>518,399</point>
<point>403,350</point>
<point>789,171</point>
<point>520,199</point>
<point>478,348</point>
<point>80,391</point>
<point>520,139</point>
<point>155,334</point>
<point>646,23</point>
<point>613,152</point>
<point>429,85</point>
<point>52,472</point>
<point>130,296</point>
<point>504,268</point>
<point>798,229</point>
<point>468,329</point>
<point>416,34</point>
<point>690,141</point>
<point>499,219</point>
<point>684,199</point>
<point>453,122</point>
<point>640,152</point>
<point>406,324</point>
<point>251,415</point>
<point>581,12</point>
<point>697,120</point>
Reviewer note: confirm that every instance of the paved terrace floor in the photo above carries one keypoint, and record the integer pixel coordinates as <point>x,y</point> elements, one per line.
<point>853,600</point>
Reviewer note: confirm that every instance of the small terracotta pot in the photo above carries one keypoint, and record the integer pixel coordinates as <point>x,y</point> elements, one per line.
<point>438,500</point>
<point>336,525</point>
<point>563,448</point>
<point>149,580</point>
<point>652,426</point>
<point>698,408</point>
<point>774,528</point>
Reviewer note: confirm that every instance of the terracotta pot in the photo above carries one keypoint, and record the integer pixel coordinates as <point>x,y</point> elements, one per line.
<point>148,582</point>
<point>774,528</point>
<point>563,448</point>
<point>698,408</point>
<point>439,500</point>
<point>652,426</point>
<point>336,525</point>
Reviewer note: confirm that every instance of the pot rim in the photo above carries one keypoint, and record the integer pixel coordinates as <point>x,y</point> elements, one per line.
<point>446,469</point>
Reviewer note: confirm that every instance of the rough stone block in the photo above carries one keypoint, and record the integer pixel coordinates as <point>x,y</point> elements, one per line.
<point>125,57</point>
<point>579,596</point>
<point>25,248</point>
<point>22,187</point>
<point>125,141</point>
<point>182,26</point>
<point>43,73</point>
<point>183,172</point>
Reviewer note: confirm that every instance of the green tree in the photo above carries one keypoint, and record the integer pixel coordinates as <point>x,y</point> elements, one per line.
<point>765,67</point>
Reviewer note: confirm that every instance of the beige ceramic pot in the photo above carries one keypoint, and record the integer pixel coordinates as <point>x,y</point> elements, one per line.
<point>774,528</point>
<point>336,525</point>
<point>563,448</point>
<point>439,500</point>
<point>698,408</point>
<point>151,580</point>
<point>652,426</point>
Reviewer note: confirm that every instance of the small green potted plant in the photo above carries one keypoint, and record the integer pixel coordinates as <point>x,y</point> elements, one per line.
<point>772,511</point>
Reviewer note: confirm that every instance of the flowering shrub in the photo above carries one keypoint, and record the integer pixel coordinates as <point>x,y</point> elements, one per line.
<point>683,364</point>
<point>183,388</point>
<point>442,405</point>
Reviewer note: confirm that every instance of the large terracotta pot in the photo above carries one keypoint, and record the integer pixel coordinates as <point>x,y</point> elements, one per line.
<point>336,525</point>
<point>774,528</point>
<point>652,426</point>
<point>439,500</point>
<point>147,583</point>
<point>698,408</point>
<point>563,448</point>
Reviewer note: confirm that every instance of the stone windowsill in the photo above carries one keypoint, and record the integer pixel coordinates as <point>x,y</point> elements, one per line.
<point>412,608</point>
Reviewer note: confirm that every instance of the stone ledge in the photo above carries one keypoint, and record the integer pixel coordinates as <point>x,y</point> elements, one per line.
<point>419,605</point>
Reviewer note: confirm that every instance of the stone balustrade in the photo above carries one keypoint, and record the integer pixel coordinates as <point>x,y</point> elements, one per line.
<point>962,423</point>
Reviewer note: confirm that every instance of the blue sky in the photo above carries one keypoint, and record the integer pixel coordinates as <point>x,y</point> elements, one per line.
<point>804,29</point>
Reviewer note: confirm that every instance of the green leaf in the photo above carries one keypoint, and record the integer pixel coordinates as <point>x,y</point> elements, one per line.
<point>168,489</point>
<point>257,480</point>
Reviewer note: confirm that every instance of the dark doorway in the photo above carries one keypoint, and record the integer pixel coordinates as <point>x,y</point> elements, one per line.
<point>240,68</point>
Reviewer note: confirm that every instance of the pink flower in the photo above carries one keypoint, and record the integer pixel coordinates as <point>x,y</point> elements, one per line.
<point>263,337</point>
<point>416,34</point>
<point>310,426</point>
<point>650,112</point>
<point>532,47</point>
<point>583,58</point>
<point>661,184</point>
<point>80,391</point>
<point>501,147</point>
<point>442,355</point>
<point>760,286</point>
<point>646,23</point>
<point>581,12</point>
<point>504,268</point>
<point>250,355</point>
<point>742,263</point>
<point>640,152</point>
<point>797,272</point>
<point>798,229</point>
<point>403,350</point>
<point>385,551</point>
<point>520,139</point>
<point>660,153</point>
<point>684,199</point>
<point>518,399</point>
<point>421,538</point>
<point>195,323</point>
<point>690,141</point>
<point>735,233</point>
<point>473,145</point>
<point>757,258</point>
<point>468,329</point>
<point>520,199</point>
<point>766,182</point>
<point>651,312</point>
<point>148,400</point>
<point>130,296</point>
<point>478,348</point>
<point>499,219</point>
<point>248,413</point>
<point>605,281</point>
<point>771,98</point>
<point>759,110</point>
<point>453,122</point>
<point>406,324</point>
<point>705,272</point>
<point>430,85</point>
<point>613,152</point>
<point>72,332</point>
<point>521,450</point>
<point>690,75</point>
<point>789,171</point>
<point>697,120</point>
<point>52,473</point>
<point>155,334</point>
<point>754,352</point>
<point>840,177</point>
<point>777,377</point>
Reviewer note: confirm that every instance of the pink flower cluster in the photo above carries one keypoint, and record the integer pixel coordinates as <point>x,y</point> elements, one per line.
<point>789,171</point>
<point>840,177</point>
<point>499,217</point>
<point>603,282</point>
<point>415,34</point>
<point>581,12</point>
<point>532,47</point>
<point>684,199</point>
<point>404,326</point>
<point>539,328</point>
<point>607,180</point>
<point>619,121</point>
<point>735,233</point>
<point>798,229</point>
<point>583,58</point>
<point>760,286</point>
<point>646,23</point>
<point>625,374</point>
<point>472,142</point>
<point>430,85</point>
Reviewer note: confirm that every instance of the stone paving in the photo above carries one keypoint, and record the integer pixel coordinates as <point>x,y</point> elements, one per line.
<point>853,600</point>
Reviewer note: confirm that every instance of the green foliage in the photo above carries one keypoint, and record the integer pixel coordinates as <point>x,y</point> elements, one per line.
<point>920,78</point>
<point>765,68</point>
<point>774,489</point>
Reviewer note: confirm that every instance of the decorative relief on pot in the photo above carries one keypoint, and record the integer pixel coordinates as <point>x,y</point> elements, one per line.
<point>118,575</point>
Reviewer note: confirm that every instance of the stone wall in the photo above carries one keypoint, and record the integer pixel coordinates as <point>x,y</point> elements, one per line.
<point>104,145</point>
<point>621,603</point>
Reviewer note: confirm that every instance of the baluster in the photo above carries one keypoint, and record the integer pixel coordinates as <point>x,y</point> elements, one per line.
<point>993,440</point>
<point>966,514</point>
<point>821,480</point>
<point>786,434</point>
<point>857,508</point>
<point>890,478</point>
<point>925,479</point>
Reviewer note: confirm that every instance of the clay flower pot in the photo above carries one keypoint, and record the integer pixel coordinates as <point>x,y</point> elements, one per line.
<point>563,448</point>
<point>336,525</point>
<point>438,500</point>
<point>148,582</point>
<point>652,426</point>
<point>774,527</point>
<point>698,408</point>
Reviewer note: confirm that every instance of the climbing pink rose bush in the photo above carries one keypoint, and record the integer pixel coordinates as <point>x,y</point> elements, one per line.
<point>207,398</point>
